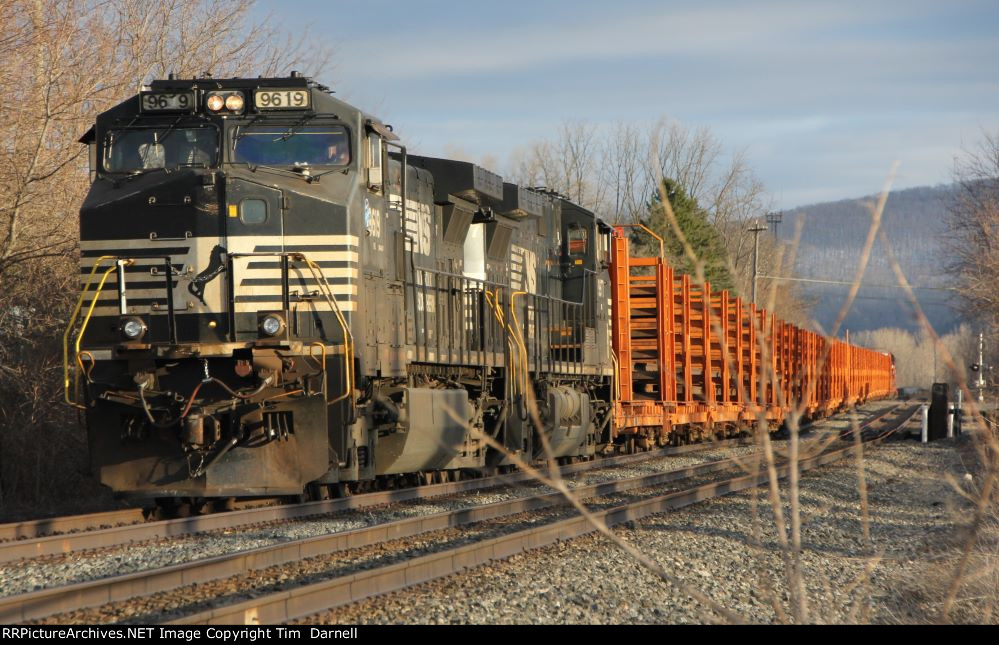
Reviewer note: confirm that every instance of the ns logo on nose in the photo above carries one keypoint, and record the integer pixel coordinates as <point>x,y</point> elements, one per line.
<point>216,265</point>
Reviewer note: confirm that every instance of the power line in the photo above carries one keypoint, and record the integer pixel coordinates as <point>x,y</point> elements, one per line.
<point>877,286</point>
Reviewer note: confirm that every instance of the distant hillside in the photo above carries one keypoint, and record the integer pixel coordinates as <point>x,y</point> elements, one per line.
<point>833,237</point>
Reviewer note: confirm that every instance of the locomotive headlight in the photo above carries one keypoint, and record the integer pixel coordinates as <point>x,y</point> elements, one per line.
<point>215,102</point>
<point>234,102</point>
<point>133,328</point>
<point>272,324</point>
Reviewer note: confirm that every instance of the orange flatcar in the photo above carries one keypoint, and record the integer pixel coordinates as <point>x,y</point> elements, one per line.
<point>693,362</point>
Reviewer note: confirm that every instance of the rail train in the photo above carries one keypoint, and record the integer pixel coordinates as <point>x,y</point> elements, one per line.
<point>278,299</point>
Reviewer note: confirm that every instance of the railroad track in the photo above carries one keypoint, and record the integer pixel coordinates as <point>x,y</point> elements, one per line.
<point>37,538</point>
<point>353,585</point>
<point>63,531</point>
<point>302,602</point>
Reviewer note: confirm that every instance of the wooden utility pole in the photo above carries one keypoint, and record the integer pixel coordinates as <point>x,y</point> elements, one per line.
<point>756,229</point>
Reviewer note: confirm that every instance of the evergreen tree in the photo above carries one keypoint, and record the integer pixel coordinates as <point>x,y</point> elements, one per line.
<point>702,236</point>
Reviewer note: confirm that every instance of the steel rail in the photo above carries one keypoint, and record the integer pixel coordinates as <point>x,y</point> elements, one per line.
<point>46,602</point>
<point>31,529</point>
<point>36,529</point>
<point>95,538</point>
<point>43,603</point>
<point>341,590</point>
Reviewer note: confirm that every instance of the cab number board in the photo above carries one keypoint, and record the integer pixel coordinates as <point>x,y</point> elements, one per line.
<point>281,99</point>
<point>167,102</point>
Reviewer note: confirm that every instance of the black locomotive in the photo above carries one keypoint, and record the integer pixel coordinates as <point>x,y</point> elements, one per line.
<point>278,299</point>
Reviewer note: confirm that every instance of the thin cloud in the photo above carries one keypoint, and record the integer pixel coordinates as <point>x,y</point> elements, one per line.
<point>713,30</point>
<point>823,96</point>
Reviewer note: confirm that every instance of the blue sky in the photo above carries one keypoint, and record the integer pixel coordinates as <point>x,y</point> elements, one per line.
<point>823,97</point>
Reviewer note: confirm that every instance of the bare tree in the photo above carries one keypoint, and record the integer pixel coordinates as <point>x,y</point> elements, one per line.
<point>918,362</point>
<point>974,225</point>
<point>616,171</point>
<point>61,63</point>
<point>568,163</point>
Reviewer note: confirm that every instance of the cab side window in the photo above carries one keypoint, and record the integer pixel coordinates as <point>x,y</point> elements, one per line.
<point>373,161</point>
<point>577,240</point>
<point>603,249</point>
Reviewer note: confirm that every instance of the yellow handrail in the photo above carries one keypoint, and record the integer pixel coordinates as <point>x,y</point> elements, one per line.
<point>616,378</point>
<point>317,273</point>
<point>72,323</point>
<point>519,337</point>
<point>322,347</point>
<point>494,304</point>
<point>348,339</point>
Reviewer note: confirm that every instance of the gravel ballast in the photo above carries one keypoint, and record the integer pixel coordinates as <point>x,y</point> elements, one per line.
<point>720,550</point>
<point>57,570</point>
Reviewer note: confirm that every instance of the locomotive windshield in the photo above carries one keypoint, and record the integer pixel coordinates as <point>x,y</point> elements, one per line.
<point>315,145</point>
<point>139,149</point>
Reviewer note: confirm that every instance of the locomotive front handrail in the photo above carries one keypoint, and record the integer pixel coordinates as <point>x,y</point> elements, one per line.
<point>317,273</point>
<point>119,263</point>
<point>83,327</point>
<point>325,290</point>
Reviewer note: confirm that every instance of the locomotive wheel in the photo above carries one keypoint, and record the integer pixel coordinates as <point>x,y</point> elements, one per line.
<point>171,508</point>
<point>318,492</point>
<point>183,509</point>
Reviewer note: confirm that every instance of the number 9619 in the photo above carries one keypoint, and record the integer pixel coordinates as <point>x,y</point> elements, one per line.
<point>281,99</point>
